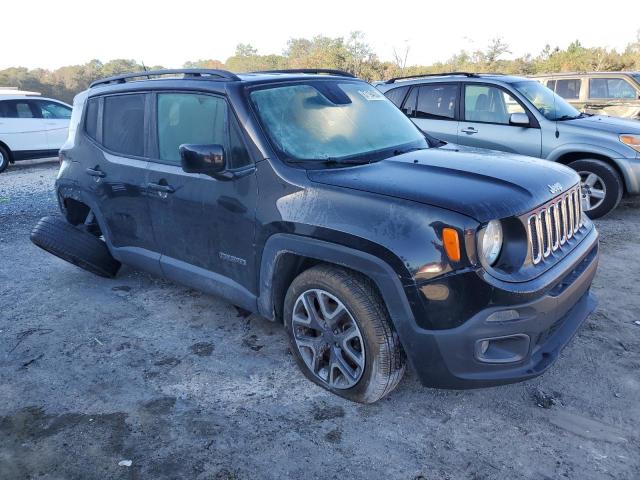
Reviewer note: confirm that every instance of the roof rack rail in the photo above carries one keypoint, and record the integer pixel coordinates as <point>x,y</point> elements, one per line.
<point>443,74</point>
<point>313,71</point>
<point>187,72</point>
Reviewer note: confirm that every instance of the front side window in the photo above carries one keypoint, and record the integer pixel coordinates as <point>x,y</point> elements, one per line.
<point>489,104</point>
<point>17,109</point>
<point>333,120</point>
<point>551,84</point>
<point>437,101</point>
<point>189,118</point>
<point>53,110</point>
<point>610,88</point>
<point>569,88</point>
<point>549,104</point>
<point>123,124</point>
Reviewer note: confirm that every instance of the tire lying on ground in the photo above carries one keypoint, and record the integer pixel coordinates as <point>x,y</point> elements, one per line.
<point>76,246</point>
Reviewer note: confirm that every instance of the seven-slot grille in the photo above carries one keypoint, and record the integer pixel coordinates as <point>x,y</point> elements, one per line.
<point>551,226</point>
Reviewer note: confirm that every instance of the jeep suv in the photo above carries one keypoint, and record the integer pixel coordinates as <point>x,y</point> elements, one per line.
<point>601,93</point>
<point>520,115</point>
<point>309,198</point>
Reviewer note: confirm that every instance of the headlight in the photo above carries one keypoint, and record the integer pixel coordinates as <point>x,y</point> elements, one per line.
<point>491,241</point>
<point>632,141</point>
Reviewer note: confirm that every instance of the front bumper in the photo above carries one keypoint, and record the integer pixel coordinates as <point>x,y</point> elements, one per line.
<point>513,341</point>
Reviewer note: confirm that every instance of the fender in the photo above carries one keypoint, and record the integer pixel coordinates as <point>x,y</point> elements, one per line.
<point>380,272</point>
<point>582,148</point>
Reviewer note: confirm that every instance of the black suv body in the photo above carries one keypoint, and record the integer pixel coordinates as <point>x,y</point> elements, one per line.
<point>404,227</point>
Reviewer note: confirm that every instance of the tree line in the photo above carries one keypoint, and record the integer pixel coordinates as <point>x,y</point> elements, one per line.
<point>352,54</point>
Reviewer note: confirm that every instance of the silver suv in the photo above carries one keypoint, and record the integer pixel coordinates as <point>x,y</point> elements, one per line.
<point>520,115</point>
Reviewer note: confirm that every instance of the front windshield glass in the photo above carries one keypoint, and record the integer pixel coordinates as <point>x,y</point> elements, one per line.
<point>333,120</point>
<point>552,106</point>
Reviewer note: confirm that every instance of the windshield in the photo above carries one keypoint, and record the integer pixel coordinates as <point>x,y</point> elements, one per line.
<point>333,120</point>
<point>552,106</point>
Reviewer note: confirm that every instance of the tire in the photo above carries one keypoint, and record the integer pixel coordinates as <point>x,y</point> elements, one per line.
<point>4,158</point>
<point>76,246</point>
<point>608,181</point>
<point>384,359</point>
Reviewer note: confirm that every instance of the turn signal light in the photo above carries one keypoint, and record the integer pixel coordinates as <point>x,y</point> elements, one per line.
<point>451,243</point>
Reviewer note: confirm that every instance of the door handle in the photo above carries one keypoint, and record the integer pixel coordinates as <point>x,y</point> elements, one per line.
<point>161,188</point>
<point>96,172</point>
<point>469,130</point>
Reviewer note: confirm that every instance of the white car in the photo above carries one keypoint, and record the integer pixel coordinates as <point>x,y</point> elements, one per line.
<point>30,126</point>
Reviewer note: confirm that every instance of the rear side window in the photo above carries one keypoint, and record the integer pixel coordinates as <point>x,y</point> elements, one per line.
<point>91,118</point>
<point>610,88</point>
<point>397,95</point>
<point>189,118</point>
<point>569,88</point>
<point>123,124</point>
<point>53,110</point>
<point>437,101</point>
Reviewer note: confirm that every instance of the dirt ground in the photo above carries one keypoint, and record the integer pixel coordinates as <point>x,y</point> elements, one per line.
<point>96,371</point>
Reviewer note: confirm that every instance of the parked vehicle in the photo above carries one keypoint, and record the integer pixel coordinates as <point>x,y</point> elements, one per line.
<point>600,93</point>
<point>519,115</point>
<point>307,197</point>
<point>30,126</point>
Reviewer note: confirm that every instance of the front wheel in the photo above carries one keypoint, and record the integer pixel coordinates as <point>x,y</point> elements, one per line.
<point>341,335</point>
<point>602,187</point>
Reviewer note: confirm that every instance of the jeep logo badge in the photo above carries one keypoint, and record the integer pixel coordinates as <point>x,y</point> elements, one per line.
<point>555,188</point>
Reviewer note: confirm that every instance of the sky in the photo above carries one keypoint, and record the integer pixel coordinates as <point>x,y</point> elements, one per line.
<point>50,34</point>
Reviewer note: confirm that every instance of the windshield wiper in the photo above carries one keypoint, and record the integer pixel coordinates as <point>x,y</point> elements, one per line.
<point>568,117</point>
<point>402,151</point>
<point>330,161</point>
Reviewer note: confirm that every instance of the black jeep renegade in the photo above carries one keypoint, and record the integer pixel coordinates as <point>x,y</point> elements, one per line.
<point>309,198</point>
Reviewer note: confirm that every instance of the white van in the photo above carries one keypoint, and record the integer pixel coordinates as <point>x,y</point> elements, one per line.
<point>30,126</point>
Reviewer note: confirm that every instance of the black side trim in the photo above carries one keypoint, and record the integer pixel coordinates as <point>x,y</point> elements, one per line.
<point>33,154</point>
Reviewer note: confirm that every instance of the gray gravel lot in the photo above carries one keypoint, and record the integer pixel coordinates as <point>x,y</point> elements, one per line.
<point>96,371</point>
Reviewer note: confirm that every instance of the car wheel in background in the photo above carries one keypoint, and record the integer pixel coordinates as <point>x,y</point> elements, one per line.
<point>4,159</point>
<point>75,245</point>
<point>601,186</point>
<point>341,335</point>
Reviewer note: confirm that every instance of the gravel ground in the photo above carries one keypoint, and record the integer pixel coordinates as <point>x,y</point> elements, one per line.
<point>96,371</point>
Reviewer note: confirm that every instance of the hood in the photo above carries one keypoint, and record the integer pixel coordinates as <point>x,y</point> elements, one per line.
<point>481,184</point>
<point>608,124</point>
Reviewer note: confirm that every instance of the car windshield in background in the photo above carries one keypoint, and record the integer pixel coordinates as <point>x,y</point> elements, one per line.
<point>334,121</point>
<point>552,106</point>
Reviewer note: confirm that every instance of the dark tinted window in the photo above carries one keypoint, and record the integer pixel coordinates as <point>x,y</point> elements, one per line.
<point>91,119</point>
<point>569,88</point>
<point>53,110</point>
<point>18,109</point>
<point>239,154</point>
<point>123,124</point>
<point>551,84</point>
<point>409,106</point>
<point>397,95</point>
<point>437,101</point>
<point>189,118</point>
<point>610,88</point>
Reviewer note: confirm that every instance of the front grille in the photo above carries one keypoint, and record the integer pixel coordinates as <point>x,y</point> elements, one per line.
<point>550,227</point>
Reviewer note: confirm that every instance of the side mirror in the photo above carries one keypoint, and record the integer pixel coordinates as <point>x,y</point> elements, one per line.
<point>207,159</point>
<point>519,119</point>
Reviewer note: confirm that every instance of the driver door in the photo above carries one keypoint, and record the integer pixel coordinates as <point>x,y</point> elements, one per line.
<point>485,122</point>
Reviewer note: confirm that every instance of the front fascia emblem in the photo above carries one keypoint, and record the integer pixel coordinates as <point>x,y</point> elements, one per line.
<point>555,188</point>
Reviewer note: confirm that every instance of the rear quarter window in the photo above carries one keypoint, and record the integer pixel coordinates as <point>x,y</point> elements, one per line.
<point>396,95</point>
<point>91,118</point>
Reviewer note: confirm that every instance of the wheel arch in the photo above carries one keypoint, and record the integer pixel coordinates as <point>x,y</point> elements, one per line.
<point>286,255</point>
<point>6,147</point>
<point>568,157</point>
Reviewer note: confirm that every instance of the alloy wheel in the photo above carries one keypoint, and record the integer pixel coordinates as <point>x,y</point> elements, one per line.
<point>328,339</point>
<point>594,190</point>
